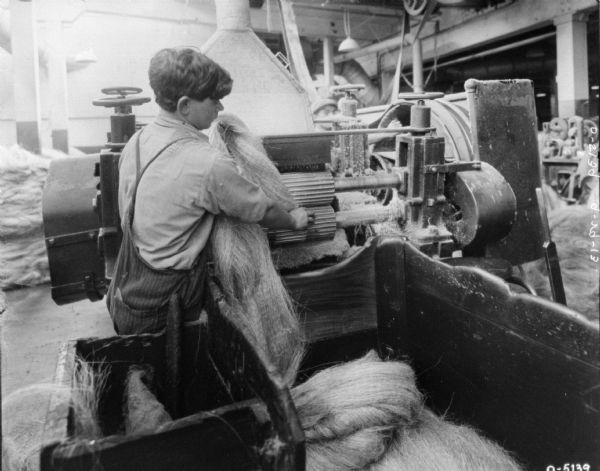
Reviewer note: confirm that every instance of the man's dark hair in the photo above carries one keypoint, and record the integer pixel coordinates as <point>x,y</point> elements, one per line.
<point>177,72</point>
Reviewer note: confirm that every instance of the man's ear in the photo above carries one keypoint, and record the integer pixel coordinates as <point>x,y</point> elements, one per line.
<point>183,105</point>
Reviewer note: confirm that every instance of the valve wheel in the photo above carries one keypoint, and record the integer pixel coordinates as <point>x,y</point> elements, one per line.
<point>123,91</point>
<point>122,99</point>
<point>415,7</point>
<point>350,87</point>
<point>420,96</point>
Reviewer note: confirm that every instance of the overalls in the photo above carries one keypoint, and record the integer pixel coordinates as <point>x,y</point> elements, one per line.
<point>138,296</point>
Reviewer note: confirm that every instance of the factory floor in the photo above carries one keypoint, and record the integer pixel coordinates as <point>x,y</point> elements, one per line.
<point>33,328</point>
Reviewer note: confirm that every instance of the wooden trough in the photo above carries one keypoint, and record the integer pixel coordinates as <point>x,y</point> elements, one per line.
<point>523,370</point>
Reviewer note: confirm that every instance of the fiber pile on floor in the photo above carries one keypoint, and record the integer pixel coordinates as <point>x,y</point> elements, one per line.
<point>23,259</point>
<point>24,413</point>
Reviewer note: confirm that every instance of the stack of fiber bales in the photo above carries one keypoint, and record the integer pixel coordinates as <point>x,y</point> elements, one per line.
<point>23,259</point>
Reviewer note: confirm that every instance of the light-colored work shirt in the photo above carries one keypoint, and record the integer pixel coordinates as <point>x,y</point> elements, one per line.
<point>181,192</point>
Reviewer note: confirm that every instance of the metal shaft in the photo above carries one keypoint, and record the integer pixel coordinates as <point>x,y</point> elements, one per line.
<point>368,182</point>
<point>373,215</point>
<point>417,67</point>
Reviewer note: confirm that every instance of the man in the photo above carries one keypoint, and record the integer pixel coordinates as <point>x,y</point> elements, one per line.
<point>322,110</point>
<point>172,184</point>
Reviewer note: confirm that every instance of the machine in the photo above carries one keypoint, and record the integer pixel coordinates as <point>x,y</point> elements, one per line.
<point>445,205</point>
<point>522,369</point>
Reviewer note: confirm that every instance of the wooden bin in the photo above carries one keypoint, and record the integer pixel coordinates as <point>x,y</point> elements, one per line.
<point>521,369</point>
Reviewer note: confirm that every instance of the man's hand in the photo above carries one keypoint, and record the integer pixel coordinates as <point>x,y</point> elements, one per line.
<point>302,218</point>
<point>278,218</point>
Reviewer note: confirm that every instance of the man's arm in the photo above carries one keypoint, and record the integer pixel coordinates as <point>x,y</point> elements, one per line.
<point>278,218</point>
<point>231,193</point>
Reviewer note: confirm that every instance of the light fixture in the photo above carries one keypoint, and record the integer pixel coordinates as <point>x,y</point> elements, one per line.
<point>347,44</point>
<point>85,57</point>
<point>81,60</point>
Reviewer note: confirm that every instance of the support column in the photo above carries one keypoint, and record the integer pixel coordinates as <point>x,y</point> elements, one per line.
<point>328,66</point>
<point>571,64</point>
<point>57,80</point>
<point>417,66</point>
<point>26,74</point>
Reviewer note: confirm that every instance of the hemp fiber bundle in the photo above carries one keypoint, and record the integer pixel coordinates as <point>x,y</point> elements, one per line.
<point>144,414</point>
<point>367,415</point>
<point>436,444</point>
<point>258,302</point>
<point>350,412</point>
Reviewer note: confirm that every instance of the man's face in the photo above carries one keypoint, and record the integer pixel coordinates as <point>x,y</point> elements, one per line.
<point>201,113</point>
<point>326,111</point>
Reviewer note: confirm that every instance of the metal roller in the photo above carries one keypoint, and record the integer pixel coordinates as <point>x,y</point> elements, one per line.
<point>323,229</point>
<point>310,189</point>
<point>327,221</point>
<point>317,190</point>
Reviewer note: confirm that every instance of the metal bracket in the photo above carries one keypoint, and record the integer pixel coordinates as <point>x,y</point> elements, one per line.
<point>453,167</point>
<point>89,284</point>
<point>550,254</point>
<point>70,239</point>
<point>104,234</point>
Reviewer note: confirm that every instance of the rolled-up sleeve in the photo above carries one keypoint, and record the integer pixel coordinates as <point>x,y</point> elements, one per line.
<point>230,193</point>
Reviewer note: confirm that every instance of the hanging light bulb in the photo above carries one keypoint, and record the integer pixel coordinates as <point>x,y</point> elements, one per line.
<point>348,44</point>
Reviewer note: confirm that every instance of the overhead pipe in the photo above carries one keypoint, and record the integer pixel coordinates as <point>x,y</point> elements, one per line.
<point>495,50</point>
<point>515,67</point>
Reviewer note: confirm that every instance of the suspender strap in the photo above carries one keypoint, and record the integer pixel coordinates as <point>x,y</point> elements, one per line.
<point>139,173</point>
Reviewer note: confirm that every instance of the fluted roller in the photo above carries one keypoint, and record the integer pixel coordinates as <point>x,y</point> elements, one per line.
<point>310,189</point>
<point>323,229</point>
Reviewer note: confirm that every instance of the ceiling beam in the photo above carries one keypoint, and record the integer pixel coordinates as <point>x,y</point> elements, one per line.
<point>365,8</point>
<point>366,25</point>
<point>506,21</point>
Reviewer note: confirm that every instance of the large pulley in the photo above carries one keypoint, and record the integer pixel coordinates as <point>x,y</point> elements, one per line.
<point>415,7</point>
